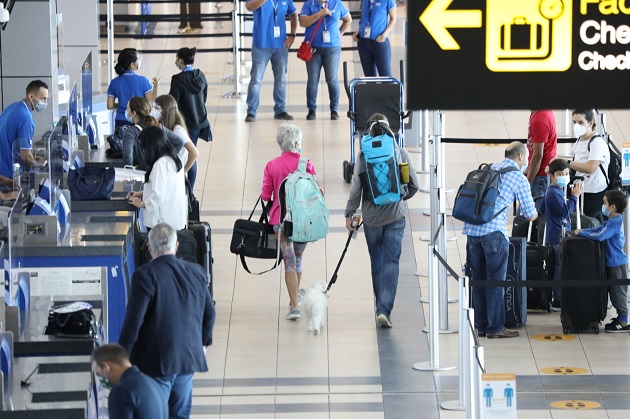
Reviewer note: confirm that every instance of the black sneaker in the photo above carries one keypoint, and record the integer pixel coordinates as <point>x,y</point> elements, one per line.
<point>503,334</point>
<point>615,326</point>
<point>311,116</point>
<point>284,116</point>
<point>556,305</point>
<point>250,118</point>
<point>334,115</point>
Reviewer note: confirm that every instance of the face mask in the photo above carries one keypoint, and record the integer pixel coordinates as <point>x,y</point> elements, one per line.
<point>128,118</point>
<point>105,383</point>
<point>605,212</point>
<point>562,181</point>
<point>299,150</point>
<point>579,130</point>
<point>40,106</point>
<point>156,113</point>
<point>524,167</point>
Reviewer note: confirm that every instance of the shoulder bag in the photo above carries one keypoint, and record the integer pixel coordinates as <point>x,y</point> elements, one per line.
<point>306,50</point>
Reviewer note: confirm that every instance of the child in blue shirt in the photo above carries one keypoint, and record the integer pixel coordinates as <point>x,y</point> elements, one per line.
<point>557,213</point>
<point>612,238</point>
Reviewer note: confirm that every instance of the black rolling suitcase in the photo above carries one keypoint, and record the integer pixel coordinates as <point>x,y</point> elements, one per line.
<point>516,297</point>
<point>203,236</point>
<point>582,308</point>
<point>540,262</point>
<point>187,249</point>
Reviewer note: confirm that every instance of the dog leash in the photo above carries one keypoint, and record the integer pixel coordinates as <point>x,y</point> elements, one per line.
<point>343,254</point>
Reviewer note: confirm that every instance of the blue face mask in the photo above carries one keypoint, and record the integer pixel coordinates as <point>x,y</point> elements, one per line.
<point>299,150</point>
<point>605,212</point>
<point>128,118</point>
<point>562,181</point>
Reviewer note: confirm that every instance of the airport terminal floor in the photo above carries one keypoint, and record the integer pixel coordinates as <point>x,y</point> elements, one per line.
<point>263,366</point>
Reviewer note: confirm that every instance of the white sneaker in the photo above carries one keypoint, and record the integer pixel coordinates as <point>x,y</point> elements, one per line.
<point>383,320</point>
<point>293,314</point>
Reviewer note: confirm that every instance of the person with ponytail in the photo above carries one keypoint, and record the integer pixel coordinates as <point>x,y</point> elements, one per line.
<point>139,112</point>
<point>172,119</point>
<point>128,84</point>
<point>189,88</point>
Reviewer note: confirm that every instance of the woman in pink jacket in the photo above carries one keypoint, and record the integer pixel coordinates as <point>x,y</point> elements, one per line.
<point>289,139</point>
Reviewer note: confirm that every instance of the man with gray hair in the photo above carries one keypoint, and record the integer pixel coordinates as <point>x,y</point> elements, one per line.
<point>487,246</point>
<point>169,320</point>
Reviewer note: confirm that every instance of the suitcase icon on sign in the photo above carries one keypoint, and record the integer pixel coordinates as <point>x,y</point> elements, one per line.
<point>524,40</point>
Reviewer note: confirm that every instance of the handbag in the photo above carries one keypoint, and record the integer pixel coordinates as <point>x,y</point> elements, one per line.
<point>306,50</point>
<point>75,320</point>
<point>91,183</point>
<point>255,239</point>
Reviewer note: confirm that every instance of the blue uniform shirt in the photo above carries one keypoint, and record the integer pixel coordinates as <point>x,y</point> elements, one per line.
<point>612,238</point>
<point>16,124</point>
<point>126,86</point>
<point>265,19</point>
<point>330,23</point>
<point>376,12</point>
<point>513,185</point>
<point>557,209</point>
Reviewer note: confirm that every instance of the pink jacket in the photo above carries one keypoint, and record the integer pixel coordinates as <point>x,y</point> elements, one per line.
<point>275,172</point>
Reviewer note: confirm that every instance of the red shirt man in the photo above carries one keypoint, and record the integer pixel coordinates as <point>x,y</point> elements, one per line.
<point>541,143</point>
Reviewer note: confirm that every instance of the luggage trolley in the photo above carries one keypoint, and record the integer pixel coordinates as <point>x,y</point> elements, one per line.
<point>368,95</point>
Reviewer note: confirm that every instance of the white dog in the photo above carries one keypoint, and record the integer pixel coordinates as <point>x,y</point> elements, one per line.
<point>314,306</point>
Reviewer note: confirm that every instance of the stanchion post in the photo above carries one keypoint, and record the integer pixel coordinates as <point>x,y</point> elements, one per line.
<point>236,58</point>
<point>110,52</point>
<point>425,141</point>
<point>464,349</point>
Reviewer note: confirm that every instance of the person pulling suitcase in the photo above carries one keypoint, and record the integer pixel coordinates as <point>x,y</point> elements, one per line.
<point>612,238</point>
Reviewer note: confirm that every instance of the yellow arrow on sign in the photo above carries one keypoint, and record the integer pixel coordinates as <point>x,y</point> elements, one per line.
<point>436,18</point>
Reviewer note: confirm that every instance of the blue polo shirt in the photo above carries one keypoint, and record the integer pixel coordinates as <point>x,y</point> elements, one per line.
<point>16,124</point>
<point>376,12</point>
<point>126,86</point>
<point>330,23</point>
<point>270,14</point>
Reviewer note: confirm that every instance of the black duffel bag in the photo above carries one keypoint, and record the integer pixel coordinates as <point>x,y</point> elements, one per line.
<point>255,239</point>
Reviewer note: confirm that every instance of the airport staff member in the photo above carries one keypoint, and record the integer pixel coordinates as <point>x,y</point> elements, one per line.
<point>133,394</point>
<point>17,125</point>
<point>169,320</point>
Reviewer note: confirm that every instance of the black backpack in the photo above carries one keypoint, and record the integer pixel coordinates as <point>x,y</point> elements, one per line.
<point>115,150</point>
<point>613,174</point>
<point>476,198</point>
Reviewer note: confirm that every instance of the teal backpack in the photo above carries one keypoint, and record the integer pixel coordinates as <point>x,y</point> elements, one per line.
<point>303,211</point>
<point>380,181</point>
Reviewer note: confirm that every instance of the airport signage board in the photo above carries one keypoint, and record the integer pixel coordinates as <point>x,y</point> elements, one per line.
<point>518,54</point>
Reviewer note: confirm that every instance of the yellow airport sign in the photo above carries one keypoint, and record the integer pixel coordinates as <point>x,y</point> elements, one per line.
<point>436,18</point>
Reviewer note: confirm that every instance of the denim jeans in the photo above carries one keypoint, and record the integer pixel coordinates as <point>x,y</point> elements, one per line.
<point>487,257</point>
<point>375,56</point>
<point>328,58</point>
<point>539,187</point>
<point>178,390</point>
<point>260,58</point>
<point>385,245</point>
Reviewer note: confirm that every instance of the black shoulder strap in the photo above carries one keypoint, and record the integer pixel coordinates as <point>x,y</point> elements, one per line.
<point>277,261</point>
<point>601,166</point>
<point>501,171</point>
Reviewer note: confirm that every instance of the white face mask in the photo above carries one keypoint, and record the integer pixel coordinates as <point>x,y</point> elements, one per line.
<point>40,106</point>
<point>579,130</point>
<point>524,166</point>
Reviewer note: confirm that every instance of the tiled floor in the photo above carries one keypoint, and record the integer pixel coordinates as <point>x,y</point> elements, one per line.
<point>262,366</point>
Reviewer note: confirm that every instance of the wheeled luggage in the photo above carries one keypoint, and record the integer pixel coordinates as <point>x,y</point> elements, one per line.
<point>516,297</point>
<point>195,245</point>
<point>582,308</point>
<point>367,96</point>
<point>539,266</point>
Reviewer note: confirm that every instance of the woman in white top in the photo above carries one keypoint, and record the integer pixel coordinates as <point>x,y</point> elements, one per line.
<point>590,156</point>
<point>164,197</point>
<point>172,119</point>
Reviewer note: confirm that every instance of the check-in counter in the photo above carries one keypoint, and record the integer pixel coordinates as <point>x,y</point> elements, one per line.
<point>90,259</point>
<point>51,388</point>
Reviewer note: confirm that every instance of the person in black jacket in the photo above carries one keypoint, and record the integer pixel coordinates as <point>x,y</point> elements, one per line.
<point>169,320</point>
<point>190,90</point>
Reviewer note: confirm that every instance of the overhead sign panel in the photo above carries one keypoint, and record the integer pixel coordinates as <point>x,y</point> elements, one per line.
<point>518,54</point>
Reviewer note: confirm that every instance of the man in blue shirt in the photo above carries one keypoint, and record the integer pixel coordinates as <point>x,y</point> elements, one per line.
<point>17,128</point>
<point>487,246</point>
<point>133,394</point>
<point>270,43</point>
<point>377,20</point>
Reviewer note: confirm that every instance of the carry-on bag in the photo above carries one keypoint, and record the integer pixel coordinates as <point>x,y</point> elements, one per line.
<point>515,297</point>
<point>186,250</point>
<point>203,237</point>
<point>539,266</point>
<point>582,308</point>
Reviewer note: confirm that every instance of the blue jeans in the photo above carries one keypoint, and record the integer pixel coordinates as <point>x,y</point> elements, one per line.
<point>260,59</point>
<point>540,185</point>
<point>375,56</point>
<point>328,58</point>
<point>178,390</point>
<point>384,245</point>
<point>487,258</point>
